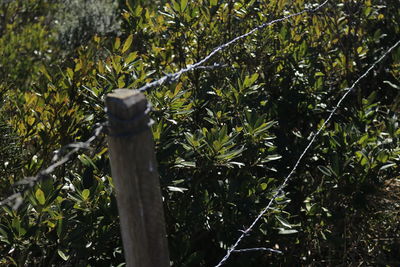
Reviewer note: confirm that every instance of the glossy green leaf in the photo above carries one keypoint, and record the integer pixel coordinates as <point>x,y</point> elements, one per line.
<point>287,231</point>
<point>62,255</point>
<point>40,196</point>
<point>85,194</point>
<point>127,43</point>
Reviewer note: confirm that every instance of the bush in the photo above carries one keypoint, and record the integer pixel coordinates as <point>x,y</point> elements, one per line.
<point>78,21</point>
<point>225,138</point>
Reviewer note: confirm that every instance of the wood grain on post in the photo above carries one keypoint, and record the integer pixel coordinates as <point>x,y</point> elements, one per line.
<point>134,171</point>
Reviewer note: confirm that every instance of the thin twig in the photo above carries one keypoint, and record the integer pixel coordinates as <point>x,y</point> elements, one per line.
<point>257,249</point>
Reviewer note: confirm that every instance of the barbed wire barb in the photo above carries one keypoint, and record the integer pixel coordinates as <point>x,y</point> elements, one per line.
<point>171,77</point>
<point>286,180</point>
<point>168,78</point>
<point>57,160</point>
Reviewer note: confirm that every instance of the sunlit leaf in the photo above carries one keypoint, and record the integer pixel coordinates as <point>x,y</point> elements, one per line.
<point>40,196</point>
<point>127,43</point>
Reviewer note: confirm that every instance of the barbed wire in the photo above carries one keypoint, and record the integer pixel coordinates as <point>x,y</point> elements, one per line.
<point>57,161</point>
<point>286,180</point>
<point>171,77</point>
<point>168,78</point>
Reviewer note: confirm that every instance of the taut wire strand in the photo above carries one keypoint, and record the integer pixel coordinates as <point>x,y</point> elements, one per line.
<point>30,182</point>
<point>168,78</point>
<point>285,182</point>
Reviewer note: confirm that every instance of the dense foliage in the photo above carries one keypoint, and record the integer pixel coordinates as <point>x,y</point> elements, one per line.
<point>225,138</point>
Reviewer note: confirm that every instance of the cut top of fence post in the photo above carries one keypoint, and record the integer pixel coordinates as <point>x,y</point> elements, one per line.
<point>124,99</point>
<point>126,111</point>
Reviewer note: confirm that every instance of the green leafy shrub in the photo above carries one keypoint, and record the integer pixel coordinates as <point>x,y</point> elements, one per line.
<point>24,34</point>
<point>225,138</point>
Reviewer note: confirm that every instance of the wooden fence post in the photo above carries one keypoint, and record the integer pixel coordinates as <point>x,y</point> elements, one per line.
<point>134,171</point>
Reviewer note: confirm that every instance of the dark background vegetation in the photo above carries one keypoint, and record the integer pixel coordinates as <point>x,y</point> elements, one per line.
<point>225,138</point>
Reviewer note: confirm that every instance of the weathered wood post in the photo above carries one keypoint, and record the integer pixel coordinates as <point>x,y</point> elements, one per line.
<point>134,171</point>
